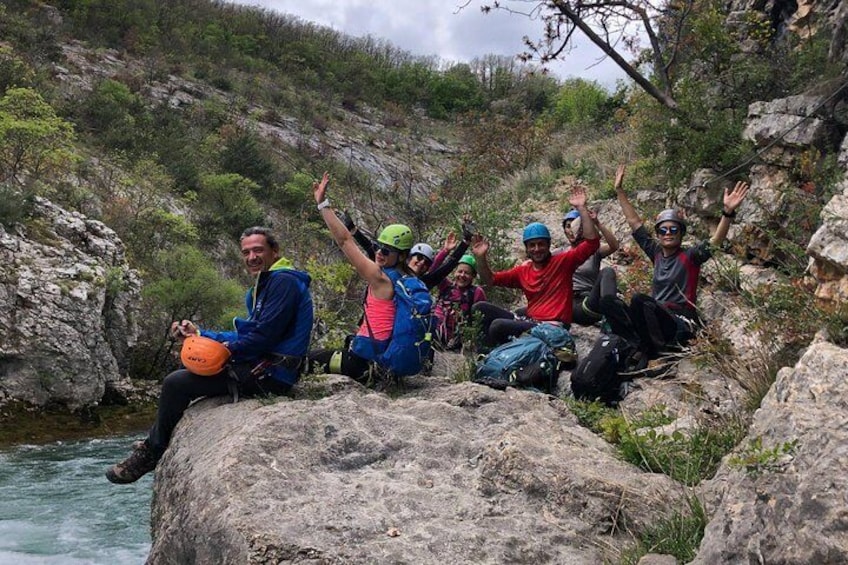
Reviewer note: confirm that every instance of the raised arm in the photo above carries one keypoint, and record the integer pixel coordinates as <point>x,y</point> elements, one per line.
<point>577,199</point>
<point>480,249</point>
<point>610,244</point>
<point>367,269</point>
<point>364,242</point>
<point>633,219</point>
<point>732,200</point>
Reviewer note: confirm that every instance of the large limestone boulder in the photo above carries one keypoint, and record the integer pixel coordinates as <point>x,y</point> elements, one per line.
<point>446,473</point>
<point>828,247</point>
<point>67,316</point>
<point>788,503</point>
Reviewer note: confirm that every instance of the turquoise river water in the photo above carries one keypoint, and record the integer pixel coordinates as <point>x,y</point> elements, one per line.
<point>57,508</point>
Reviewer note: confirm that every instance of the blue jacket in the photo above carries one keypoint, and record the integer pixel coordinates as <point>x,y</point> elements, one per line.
<point>279,320</point>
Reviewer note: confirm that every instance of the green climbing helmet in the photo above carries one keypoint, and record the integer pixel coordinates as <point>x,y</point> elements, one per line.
<point>469,260</point>
<point>398,236</point>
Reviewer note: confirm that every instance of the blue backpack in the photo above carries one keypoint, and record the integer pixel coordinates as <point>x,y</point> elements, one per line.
<point>532,360</point>
<point>404,353</point>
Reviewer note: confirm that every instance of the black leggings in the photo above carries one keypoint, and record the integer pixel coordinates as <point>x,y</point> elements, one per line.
<point>586,308</point>
<point>499,324</point>
<point>341,362</point>
<point>648,324</point>
<point>181,387</point>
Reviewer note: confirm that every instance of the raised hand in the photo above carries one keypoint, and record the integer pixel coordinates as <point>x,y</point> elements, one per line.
<point>734,198</point>
<point>619,177</point>
<point>319,189</point>
<point>451,242</point>
<point>479,245</point>
<point>577,198</point>
<point>468,228</point>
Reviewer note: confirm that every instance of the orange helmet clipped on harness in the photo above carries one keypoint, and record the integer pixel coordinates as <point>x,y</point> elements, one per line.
<point>204,356</point>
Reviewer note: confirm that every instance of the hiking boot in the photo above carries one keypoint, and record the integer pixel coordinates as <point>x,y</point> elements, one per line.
<point>140,462</point>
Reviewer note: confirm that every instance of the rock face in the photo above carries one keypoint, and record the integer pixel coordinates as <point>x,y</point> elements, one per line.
<point>829,245</point>
<point>444,474</point>
<point>789,507</point>
<point>68,301</point>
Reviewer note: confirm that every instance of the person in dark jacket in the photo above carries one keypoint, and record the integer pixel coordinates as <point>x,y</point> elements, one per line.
<point>267,349</point>
<point>669,316</point>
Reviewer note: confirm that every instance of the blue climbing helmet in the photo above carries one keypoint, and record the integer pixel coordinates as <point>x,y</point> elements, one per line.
<point>570,215</point>
<point>536,230</point>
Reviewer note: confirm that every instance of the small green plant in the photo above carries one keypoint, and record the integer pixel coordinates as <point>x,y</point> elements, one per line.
<point>466,371</point>
<point>688,457</point>
<point>591,414</point>
<point>679,535</point>
<point>313,385</point>
<point>756,459</point>
<point>836,323</point>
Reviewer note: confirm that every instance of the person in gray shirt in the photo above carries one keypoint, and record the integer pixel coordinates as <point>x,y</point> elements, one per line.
<point>669,316</point>
<point>591,282</point>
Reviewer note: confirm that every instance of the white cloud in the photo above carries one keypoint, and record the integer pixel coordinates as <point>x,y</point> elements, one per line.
<point>440,28</point>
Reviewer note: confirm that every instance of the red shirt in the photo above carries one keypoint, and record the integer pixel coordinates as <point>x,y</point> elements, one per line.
<point>548,290</point>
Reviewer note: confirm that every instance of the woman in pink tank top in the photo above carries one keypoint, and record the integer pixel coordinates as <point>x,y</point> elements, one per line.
<point>392,249</point>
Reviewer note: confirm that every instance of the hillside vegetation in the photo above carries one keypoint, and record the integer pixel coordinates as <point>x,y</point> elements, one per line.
<point>178,182</point>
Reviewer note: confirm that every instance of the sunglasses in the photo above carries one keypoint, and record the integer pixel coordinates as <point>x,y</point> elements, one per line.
<point>385,250</point>
<point>423,258</point>
<point>665,230</point>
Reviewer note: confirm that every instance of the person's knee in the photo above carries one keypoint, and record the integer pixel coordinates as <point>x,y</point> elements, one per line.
<point>639,300</point>
<point>174,382</point>
<point>610,304</point>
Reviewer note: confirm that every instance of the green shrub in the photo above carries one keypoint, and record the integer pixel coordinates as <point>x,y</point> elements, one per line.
<point>34,141</point>
<point>15,204</point>
<point>581,102</point>
<point>679,535</point>
<point>225,205</point>
<point>183,284</point>
<point>756,459</point>
<point>688,457</point>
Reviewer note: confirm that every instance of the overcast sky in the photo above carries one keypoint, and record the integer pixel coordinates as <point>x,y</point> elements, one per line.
<point>439,27</point>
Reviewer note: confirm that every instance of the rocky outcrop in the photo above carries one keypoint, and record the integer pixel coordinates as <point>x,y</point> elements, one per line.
<point>443,474</point>
<point>829,245</point>
<point>783,493</point>
<point>68,301</point>
<point>461,473</point>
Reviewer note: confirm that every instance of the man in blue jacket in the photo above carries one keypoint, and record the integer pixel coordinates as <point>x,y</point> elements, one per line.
<point>267,349</point>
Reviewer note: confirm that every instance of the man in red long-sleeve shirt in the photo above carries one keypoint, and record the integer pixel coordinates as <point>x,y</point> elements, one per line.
<point>546,280</point>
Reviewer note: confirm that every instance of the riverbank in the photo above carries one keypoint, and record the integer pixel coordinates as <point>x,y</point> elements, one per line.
<point>22,424</point>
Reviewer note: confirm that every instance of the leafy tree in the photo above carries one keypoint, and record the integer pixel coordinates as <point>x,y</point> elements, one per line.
<point>226,205</point>
<point>580,102</point>
<point>34,141</point>
<point>243,153</point>
<point>184,285</point>
<point>115,116</point>
<point>14,71</point>
<point>457,90</point>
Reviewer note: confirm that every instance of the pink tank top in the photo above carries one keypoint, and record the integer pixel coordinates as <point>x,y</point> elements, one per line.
<point>380,315</point>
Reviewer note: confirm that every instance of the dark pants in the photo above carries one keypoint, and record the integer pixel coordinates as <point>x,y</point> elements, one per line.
<point>586,308</point>
<point>647,324</point>
<point>499,324</point>
<point>181,387</point>
<point>340,362</point>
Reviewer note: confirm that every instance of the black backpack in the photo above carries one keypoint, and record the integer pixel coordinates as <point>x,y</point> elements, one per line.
<point>598,375</point>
